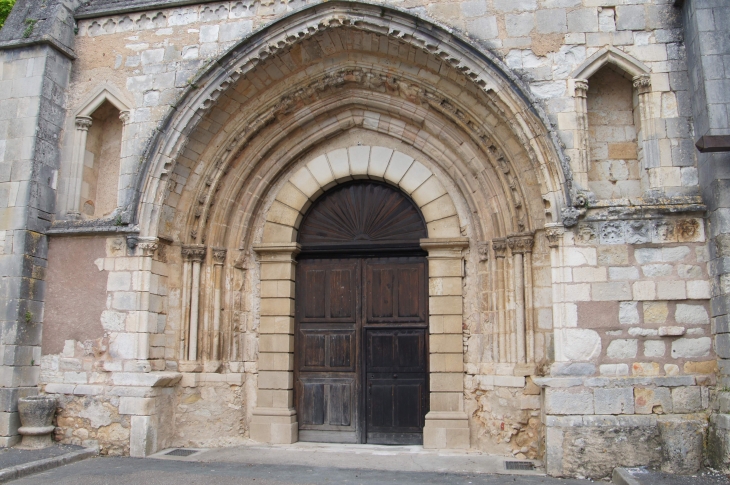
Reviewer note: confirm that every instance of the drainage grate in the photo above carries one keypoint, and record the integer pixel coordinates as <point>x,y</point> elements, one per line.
<point>181,452</point>
<point>519,465</point>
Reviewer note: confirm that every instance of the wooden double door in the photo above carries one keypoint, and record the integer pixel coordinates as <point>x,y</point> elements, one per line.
<point>361,350</point>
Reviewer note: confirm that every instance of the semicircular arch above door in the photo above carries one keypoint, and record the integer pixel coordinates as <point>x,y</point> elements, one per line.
<point>362,214</point>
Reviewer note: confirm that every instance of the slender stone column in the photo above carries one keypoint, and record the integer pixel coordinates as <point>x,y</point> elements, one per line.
<point>185,307</point>
<point>73,198</point>
<point>274,419</point>
<point>500,252</point>
<point>520,245</point>
<point>581,142</point>
<point>195,254</point>
<point>650,144</point>
<point>146,248</point>
<point>447,425</point>
<point>219,258</point>
<point>554,234</point>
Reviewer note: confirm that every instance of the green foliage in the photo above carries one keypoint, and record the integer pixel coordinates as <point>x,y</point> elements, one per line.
<point>30,24</point>
<point>5,7</point>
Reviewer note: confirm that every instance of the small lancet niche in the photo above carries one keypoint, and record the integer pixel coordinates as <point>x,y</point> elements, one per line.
<point>614,136</point>
<point>94,172</point>
<point>613,122</point>
<point>100,179</point>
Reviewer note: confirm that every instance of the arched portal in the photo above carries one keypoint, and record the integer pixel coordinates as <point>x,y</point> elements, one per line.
<point>364,288</point>
<point>338,92</point>
<point>361,319</point>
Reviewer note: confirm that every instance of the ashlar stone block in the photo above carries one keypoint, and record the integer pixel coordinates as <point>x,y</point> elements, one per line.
<point>614,401</point>
<point>621,349</point>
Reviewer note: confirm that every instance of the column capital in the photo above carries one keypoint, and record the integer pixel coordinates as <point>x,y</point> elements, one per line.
<point>148,245</point>
<point>194,252</point>
<point>500,247</point>
<point>219,255</point>
<point>642,82</point>
<point>554,233</point>
<point>521,243</point>
<point>83,123</point>
<point>125,117</point>
<point>484,251</point>
<point>581,87</point>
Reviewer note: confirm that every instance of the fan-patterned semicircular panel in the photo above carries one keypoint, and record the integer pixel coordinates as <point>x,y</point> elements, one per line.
<point>362,213</point>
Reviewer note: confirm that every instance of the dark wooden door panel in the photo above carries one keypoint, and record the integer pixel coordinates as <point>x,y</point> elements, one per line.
<point>396,350</point>
<point>327,350</point>
<point>330,291</point>
<point>395,291</point>
<point>327,403</point>
<point>396,404</point>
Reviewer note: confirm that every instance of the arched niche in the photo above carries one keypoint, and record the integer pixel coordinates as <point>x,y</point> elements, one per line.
<point>91,175</point>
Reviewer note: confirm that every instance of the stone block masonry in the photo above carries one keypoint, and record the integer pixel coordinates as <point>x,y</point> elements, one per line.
<point>31,119</point>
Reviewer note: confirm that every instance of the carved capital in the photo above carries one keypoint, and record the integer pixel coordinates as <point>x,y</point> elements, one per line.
<point>219,255</point>
<point>124,116</point>
<point>521,243</point>
<point>642,83</point>
<point>483,251</point>
<point>500,247</point>
<point>83,123</point>
<point>553,233</point>
<point>581,88</point>
<point>148,246</point>
<point>194,252</point>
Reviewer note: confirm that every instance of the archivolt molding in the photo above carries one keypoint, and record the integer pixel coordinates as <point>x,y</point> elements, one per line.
<point>288,149</point>
<point>486,72</point>
<point>232,148</point>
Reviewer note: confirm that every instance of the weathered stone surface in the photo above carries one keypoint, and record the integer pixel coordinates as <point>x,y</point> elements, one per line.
<point>683,441</point>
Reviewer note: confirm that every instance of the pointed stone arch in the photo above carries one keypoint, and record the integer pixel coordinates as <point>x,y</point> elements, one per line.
<point>627,64</point>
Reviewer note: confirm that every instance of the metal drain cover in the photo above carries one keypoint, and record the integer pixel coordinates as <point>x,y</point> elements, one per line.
<point>181,452</point>
<point>519,465</point>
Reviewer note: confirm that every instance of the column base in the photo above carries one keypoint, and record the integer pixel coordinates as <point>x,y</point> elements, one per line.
<point>275,425</point>
<point>446,430</point>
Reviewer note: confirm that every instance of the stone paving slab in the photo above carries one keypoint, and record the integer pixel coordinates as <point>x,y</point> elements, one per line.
<point>124,471</point>
<point>360,457</point>
<point>10,457</point>
<point>645,476</point>
<point>17,463</point>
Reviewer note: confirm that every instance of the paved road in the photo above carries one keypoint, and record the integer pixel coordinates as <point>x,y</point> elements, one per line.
<point>128,471</point>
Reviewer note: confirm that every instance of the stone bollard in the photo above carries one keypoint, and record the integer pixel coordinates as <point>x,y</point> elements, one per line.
<point>36,418</point>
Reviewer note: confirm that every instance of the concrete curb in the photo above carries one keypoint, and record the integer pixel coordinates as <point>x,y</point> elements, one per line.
<point>19,471</point>
<point>621,476</point>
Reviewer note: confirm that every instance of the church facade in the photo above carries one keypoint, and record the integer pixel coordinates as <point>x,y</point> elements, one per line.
<point>480,224</point>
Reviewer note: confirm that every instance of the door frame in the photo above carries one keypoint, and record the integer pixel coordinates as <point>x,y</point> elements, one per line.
<point>274,419</point>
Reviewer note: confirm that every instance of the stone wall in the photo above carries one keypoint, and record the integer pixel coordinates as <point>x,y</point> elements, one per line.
<point>707,43</point>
